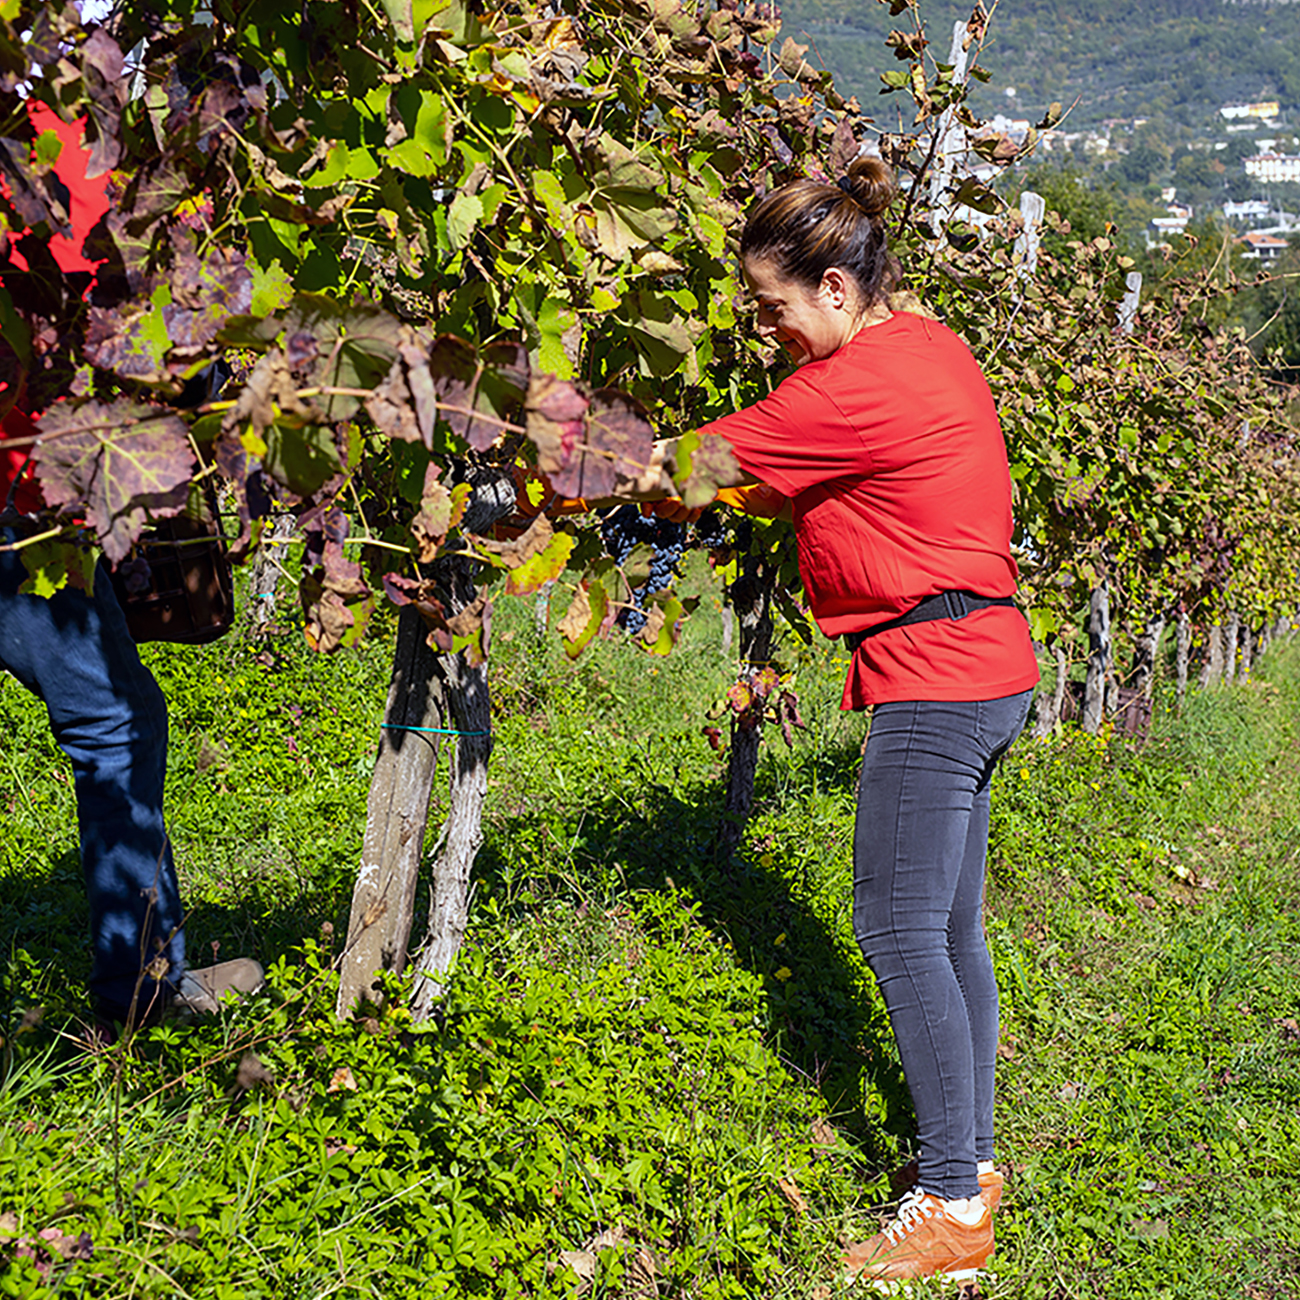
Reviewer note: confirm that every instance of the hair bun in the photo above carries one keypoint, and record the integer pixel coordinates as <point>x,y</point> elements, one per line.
<point>869,182</point>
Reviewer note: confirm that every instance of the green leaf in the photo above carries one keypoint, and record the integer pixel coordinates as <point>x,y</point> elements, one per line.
<point>54,564</point>
<point>465,212</point>
<point>303,457</point>
<point>334,169</point>
<point>431,127</point>
<point>705,463</point>
<point>48,149</point>
<point>585,615</point>
<point>399,14</point>
<point>554,320</point>
<point>541,568</point>
<point>272,289</point>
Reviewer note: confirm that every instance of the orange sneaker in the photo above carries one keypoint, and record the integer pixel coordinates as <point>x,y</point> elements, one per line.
<point>923,1241</point>
<point>904,1179</point>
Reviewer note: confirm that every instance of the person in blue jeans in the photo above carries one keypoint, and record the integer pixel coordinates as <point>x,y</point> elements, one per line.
<point>109,717</point>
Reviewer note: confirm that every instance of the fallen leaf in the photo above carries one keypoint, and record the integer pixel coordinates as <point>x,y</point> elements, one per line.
<point>790,1190</point>
<point>342,1080</point>
<point>823,1134</point>
<point>251,1072</point>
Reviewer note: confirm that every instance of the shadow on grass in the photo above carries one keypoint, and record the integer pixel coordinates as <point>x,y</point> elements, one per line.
<point>827,1027</point>
<point>824,1022</point>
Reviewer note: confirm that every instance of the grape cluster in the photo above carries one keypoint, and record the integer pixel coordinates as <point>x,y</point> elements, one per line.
<point>626,527</point>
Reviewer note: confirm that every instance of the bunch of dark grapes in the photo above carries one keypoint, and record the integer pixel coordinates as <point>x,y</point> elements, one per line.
<point>626,527</point>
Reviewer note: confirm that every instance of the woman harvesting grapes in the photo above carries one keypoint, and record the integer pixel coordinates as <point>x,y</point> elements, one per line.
<point>886,441</point>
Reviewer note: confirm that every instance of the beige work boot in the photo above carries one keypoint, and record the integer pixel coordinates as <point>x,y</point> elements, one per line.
<point>201,992</point>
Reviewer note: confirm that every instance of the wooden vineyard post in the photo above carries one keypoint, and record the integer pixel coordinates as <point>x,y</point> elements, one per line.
<point>1048,707</point>
<point>751,598</point>
<point>467,702</point>
<point>1032,209</point>
<point>1094,690</point>
<point>1212,668</point>
<point>1182,655</point>
<point>950,141</point>
<point>267,570</point>
<point>1145,656</point>
<point>1129,303</point>
<point>1231,636</point>
<point>397,812</point>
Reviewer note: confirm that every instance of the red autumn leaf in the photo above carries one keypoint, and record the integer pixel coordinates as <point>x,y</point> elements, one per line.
<point>617,442</point>
<point>120,462</point>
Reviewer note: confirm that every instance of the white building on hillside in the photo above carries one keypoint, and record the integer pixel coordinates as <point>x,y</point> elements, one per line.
<point>1250,210</point>
<point>1274,167</point>
<point>1264,109</point>
<point>1263,247</point>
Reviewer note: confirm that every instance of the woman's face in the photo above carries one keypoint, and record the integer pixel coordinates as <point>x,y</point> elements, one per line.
<point>810,324</point>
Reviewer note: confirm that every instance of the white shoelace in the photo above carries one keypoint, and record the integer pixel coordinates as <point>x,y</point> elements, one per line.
<point>912,1211</point>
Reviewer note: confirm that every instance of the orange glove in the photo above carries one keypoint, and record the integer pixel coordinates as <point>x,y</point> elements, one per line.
<point>673,509</point>
<point>757,499</point>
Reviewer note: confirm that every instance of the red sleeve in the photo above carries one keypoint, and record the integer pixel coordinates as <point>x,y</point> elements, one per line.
<point>796,437</point>
<point>27,499</point>
<point>87,200</point>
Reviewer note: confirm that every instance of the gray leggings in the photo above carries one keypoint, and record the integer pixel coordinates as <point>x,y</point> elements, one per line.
<point>919,845</point>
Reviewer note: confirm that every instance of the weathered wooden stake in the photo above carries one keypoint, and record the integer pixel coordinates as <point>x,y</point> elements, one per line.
<point>266,572</point>
<point>751,598</point>
<point>1231,635</point>
<point>1182,655</point>
<point>397,812</point>
<point>1097,681</point>
<point>1212,668</point>
<point>469,706</point>
<point>1047,709</point>
<point>1146,649</point>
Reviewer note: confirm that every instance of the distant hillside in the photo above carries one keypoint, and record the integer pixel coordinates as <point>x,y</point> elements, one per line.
<point>1175,61</point>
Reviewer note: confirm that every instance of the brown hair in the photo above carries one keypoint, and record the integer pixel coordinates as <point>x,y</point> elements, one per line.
<point>808,226</point>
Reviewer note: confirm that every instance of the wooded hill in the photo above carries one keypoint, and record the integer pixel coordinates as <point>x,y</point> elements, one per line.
<point>1176,59</point>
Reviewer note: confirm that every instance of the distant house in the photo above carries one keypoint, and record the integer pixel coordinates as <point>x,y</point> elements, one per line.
<point>1249,210</point>
<point>1274,167</point>
<point>1264,108</point>
<point>1262,247</point>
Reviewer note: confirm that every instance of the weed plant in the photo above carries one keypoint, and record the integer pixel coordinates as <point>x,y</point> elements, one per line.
<point>651,1072</point>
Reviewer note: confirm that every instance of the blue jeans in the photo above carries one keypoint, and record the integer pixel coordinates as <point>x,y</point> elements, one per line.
<point>919,846</point>
<point>110,718</point>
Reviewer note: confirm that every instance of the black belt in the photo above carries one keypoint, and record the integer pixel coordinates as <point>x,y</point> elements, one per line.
<point>944,604</point>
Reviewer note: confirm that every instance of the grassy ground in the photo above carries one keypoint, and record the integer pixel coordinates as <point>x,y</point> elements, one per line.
<point>687,1058</point>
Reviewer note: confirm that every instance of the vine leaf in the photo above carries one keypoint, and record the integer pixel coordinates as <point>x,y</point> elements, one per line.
<point>584,617</point>
<point>440,511</point>
<point>843,148</point>
<point>616,444</point>
<point>471,630</point>
<point>555,413</point>
<point>206,292</point>
<point>536,557</point>
<point>705,463</point>
<point>122,461</point>
<point>57,563</point>
<point>492,384</point>
<point>336,599</point>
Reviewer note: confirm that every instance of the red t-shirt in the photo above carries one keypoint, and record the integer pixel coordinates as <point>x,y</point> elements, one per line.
<point>87,202</point>
<point>892,455</point>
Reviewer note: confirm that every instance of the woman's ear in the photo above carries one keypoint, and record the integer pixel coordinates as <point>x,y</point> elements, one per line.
<point>836,287</point>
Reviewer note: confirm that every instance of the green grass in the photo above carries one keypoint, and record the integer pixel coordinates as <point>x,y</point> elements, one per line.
<point>640,1040</point>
